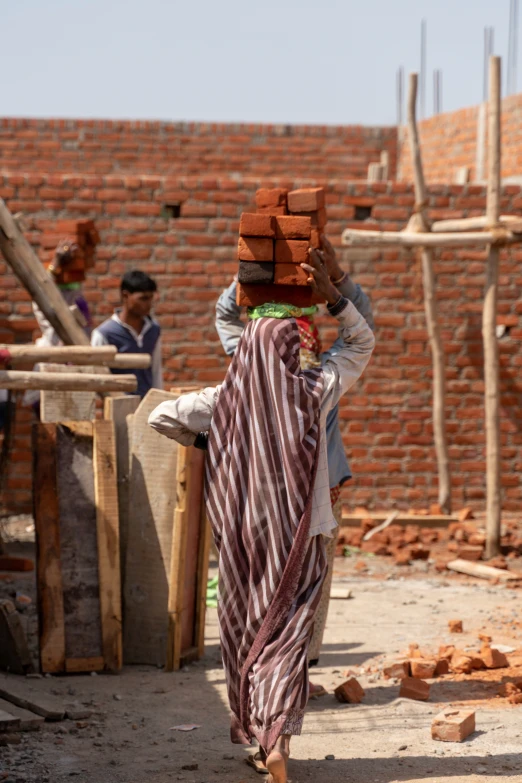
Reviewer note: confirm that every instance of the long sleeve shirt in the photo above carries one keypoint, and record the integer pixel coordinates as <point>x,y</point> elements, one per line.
<point>230,327</point>
<point>183,419</point>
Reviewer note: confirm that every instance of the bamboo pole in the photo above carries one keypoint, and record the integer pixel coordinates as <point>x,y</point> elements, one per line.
<point>67,381</point>
<point>512,222</point>
<point>431,310</point>
<point>489,320</point>
<point>26,266</point>
<point>59,354</point>
<point>355,237</point>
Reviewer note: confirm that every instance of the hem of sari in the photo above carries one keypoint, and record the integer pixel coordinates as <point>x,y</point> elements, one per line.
<point>290,722</point>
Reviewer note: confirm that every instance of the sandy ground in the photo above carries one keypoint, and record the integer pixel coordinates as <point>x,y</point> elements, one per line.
<point>130,739</point>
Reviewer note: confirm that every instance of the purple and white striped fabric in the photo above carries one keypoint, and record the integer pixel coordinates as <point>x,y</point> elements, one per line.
<point>263,448</point>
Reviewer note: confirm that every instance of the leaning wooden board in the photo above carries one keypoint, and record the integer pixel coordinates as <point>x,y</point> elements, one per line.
<point>152,499</point>
<point>76,522</point>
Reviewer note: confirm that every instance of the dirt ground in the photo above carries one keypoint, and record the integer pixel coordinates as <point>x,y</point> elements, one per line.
<point>130,737</point>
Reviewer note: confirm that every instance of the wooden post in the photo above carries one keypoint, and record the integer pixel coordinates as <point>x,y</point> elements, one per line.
<point>489,321</point>
<point>38,283</point>
<point>431,309</point>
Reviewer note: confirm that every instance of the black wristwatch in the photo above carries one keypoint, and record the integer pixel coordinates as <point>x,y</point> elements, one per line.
<point>201,441</point>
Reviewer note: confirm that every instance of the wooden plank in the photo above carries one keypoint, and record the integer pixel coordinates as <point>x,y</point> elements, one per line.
<point>483,571</point>
<point>429,520</point>
<point>48,566</point>
<point>19,691</point>
<point>69,354</point>
<point>71,379</point>
<point>29,721</point>
<point>8,722</point>
<point>14,652</point>
<point>194,520</point>
<point>77,520</point>
<point>152,498</point>
<point>353,237</point>
<point>116,409</point>
<point>107,528</point>
<point>66,405</point>
<point>177,563</point>
<point>77,665</point>
<point>202,580</point>
<point>26,265</point>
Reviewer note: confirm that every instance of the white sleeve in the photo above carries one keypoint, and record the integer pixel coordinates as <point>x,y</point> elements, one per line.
<point>157,369</point>
<point>342,369</point>
<point>183,419</point>
<point>98,339</point>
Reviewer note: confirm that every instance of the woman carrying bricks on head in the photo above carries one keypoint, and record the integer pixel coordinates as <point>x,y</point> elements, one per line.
<point>269,506</point>
<point>230,327</point>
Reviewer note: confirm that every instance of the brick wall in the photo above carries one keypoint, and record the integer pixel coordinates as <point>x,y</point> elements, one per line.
<point>386,418</point>
<point>107,146</point>
<point>449,141</point>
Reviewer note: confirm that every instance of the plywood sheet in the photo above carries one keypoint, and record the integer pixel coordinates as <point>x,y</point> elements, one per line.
<point>152,498</point>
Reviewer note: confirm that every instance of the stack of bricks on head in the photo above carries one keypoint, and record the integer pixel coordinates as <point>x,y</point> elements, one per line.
<point>80,232</point>
<point>274,242</point>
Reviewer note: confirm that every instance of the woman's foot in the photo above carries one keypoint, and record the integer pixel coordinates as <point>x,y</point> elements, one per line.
<point>277,761</point>
<point>258,762</point>
<point>315,691</point>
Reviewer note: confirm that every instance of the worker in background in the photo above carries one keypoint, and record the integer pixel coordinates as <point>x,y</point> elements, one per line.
<point>230,328</point>
<point>132,330</point>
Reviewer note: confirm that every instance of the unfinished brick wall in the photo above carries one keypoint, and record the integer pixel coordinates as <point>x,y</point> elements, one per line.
<point>109,146</point>
<point>449,141</point>
<point>386,418</point>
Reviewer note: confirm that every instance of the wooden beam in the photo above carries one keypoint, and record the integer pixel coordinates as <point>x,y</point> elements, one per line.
<point>177,563</point>
<point>489,321</point>
<point>425,520</point>
<point>17,379</point>
<point>25,264</point>
<point>14,355</point>
<point>482,571</point>
<point>48,566</point>
<point>107,527</point>
<point>512,222</point>
<point>431,309</point>
<point>131,361</point>
<point>353,237</point>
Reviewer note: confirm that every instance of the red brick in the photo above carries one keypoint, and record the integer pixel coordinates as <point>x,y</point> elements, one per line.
<point>453,725</point>
<point>306,200</point>
<point>455,626</point>
<point>422,668</point>
<point>271,197</point>
<point>350,692</point>
<point>397,671</point>
<point>253,295</point>
<point>275,211</point>
<point>493,658</point>
<point>442,667</point>
<point>414,689</point>
<point>290,274</point>
<point>293,227</point>
<point>253,224</point>
<point>291,251</point>
<point>318,219</point>
<point>251,249</point>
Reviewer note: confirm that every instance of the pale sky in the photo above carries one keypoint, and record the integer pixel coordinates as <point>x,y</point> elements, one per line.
<point>333,61</point>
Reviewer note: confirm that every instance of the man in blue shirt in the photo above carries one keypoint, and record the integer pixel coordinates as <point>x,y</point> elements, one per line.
<point>132,330</point>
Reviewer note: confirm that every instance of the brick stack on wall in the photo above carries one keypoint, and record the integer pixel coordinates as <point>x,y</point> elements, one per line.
<point>449,142</point>
<point>167,148</point>
<point>386,418</point>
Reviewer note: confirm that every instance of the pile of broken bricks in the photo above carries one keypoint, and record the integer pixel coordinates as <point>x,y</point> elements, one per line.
<point>413,670</point>
<point>274,242</point>
<point>463,540</point>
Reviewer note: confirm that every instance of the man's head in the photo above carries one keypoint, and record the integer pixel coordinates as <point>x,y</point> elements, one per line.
<point>137,293</point>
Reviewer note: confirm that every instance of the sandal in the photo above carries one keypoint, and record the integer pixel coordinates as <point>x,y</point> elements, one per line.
<point>255,760</point>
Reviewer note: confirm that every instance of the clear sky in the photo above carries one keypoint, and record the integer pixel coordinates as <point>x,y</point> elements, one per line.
<point>287,61</point>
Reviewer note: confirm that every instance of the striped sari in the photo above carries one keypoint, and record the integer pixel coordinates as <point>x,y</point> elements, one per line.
<point>263,447</point>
